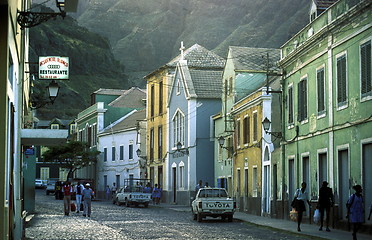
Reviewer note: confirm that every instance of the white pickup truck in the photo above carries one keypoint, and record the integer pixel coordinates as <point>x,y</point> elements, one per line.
<point>213,202</point>
<point>133,193</point>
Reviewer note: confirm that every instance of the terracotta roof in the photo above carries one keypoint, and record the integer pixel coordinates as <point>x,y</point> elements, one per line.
<point>253,59</point>
<point>132,98</point>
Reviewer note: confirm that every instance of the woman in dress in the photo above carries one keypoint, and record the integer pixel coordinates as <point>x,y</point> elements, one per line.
<point>301,195</point>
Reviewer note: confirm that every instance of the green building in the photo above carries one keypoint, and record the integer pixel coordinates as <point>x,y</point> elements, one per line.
<point>327,116</point>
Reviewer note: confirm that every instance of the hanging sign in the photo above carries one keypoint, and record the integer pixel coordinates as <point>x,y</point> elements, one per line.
<point>54,68</point>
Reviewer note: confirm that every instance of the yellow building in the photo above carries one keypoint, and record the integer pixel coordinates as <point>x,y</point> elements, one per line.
<point>247,166</point>
<point>157,125</point>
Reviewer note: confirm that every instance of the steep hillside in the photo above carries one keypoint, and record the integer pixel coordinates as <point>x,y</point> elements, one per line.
<point>92,65</point>
<point>146,34</point>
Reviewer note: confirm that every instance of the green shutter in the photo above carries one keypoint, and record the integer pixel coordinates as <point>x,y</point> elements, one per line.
<point>365,61</point>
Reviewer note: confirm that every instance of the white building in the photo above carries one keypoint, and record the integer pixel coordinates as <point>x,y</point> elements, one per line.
<point>118,143</point>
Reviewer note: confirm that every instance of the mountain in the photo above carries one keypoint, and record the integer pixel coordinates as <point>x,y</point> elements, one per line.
<point>146,34</point>
<point>92,65</point>
<point>142,35</point>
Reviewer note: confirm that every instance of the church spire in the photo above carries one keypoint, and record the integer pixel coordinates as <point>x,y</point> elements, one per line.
<point>181,49</point>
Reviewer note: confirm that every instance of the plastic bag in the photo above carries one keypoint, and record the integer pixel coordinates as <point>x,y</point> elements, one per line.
<point>316,216</point>
<point>293,215</point>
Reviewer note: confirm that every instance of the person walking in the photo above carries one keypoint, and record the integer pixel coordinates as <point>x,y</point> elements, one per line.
<point>108,192</point>
<point>113,189</point>
<point>156,194</point>
<point>67,192</point>
<point>325,202</point>
<point>301,196</point>
<point>79,194</point>
<point>87,195</point>
<point>355,209</point>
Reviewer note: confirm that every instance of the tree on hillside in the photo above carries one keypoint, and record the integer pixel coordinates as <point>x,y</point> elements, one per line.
<point>73,155</point>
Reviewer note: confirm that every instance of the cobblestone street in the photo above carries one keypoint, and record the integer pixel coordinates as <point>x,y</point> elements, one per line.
<point>109,221</point>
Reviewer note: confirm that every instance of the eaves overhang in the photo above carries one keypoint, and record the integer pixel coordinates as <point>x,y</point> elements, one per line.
<point>43,137</point>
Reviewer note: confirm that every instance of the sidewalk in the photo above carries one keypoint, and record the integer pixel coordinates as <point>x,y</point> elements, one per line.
<point>284,225</point>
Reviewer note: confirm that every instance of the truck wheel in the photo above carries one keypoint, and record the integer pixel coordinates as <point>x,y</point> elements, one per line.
<point>194,216</point>
<point>230,218</point>
<point>126,203</point>
<point>199,217</point>
<point>146,205</point>
<point>223,218</point>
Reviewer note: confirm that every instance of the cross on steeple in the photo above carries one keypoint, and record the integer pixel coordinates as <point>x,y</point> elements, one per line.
<point>181,49</point>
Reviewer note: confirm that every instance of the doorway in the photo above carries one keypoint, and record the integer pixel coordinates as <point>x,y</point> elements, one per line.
<point>174,177</point>
<point>367,177</point>
<point>322,168</point>
<point>343,181</point>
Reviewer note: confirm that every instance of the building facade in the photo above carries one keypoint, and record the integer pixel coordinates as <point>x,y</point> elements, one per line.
<point>327,117</point>
<point>194,97</point>
<point>108,106</point>
<point>14,114</point>
<point>118,143</point>
<point>244,106</point>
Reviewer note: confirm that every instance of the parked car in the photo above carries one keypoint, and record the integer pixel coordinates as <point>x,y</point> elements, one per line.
<point>213,202</point>
<point>39,183</point>
<point>50,187</point>
<point>133,193</point>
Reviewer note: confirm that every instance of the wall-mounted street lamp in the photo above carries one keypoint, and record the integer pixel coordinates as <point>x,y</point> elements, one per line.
<point>28,19</point>
<point>182,150</point>
<point>53,89</point>
<point>266,123</point>
<point>221,142</point>
<point>138,152</point>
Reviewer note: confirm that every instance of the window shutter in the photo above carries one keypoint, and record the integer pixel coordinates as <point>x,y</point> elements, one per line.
<point>341,79</point>
<point>304,96</point>
<point>320,81</point>
<point>365,61</point>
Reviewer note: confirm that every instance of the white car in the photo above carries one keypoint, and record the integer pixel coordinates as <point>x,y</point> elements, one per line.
<point>39,183</point>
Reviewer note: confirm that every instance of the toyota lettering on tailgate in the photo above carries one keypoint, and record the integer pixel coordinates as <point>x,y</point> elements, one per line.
<point>217,205</point>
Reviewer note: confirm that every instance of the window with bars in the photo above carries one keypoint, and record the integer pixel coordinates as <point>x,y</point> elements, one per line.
<point>302,100</point>
<point>341,81</point>
<point>290,105</point>
<point>365,68</point>
<point>178,129</point>
<point>321,90</point>
<point>255,127</point>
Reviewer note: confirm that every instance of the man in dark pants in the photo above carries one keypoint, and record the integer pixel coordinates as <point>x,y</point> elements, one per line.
<point>325,202</point>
